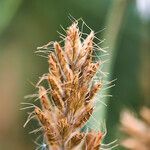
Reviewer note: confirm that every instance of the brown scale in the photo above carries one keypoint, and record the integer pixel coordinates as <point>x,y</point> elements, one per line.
<point>63,62</point>
<point>44,99</point>
<point>92,141</point>
<point>75,140</point>
<point>83,117</point>
<point>93,91</point>
<point>54,67</point>
<point>57,99</point>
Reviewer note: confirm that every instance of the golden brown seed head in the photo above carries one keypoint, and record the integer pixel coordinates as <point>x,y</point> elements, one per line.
<point>71,90</point>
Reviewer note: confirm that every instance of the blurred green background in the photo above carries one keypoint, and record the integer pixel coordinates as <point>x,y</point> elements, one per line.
<point>27,24</point>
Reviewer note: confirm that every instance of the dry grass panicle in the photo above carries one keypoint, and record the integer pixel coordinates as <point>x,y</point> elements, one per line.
<point>69,102</point>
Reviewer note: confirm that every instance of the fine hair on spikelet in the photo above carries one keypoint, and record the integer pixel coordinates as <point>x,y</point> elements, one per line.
<point>67,102</point>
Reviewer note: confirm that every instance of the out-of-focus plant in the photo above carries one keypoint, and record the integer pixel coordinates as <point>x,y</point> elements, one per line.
<point>138,130</point>
<point>8,8</point>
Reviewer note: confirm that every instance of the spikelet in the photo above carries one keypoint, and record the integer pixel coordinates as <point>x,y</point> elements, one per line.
<point>69,102</point>
<point>54,67</point>
<point>92,141</point>
<point>75,140</point>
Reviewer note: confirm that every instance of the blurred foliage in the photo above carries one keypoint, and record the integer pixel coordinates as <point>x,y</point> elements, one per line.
<point>27,24</point>
<point>9,8</point>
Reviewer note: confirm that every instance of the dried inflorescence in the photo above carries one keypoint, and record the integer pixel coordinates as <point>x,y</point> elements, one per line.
<point>138,130</point>
<point>69,102</point>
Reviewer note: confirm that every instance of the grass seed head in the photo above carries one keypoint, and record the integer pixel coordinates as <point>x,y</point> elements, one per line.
<point>68,102</point>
